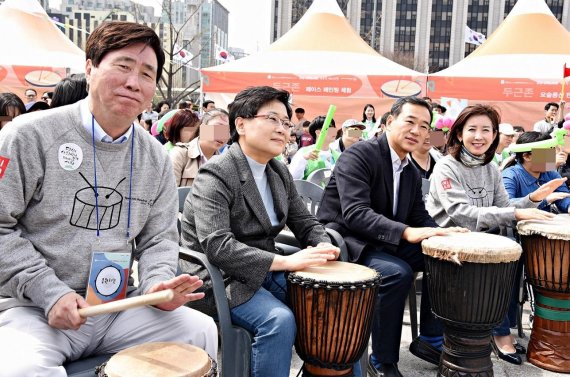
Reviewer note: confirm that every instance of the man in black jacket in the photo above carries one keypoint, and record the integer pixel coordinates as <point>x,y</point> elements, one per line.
<point>374,200</point>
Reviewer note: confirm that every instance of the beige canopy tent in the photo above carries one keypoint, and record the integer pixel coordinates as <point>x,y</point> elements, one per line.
<point>322,60</point>
<point>519,68</point>
<point>35,53</point>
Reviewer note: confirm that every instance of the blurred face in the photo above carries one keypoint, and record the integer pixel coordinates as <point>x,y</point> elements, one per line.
<point>216,133</point>
<point>351,135</point>
<point>477,135</point>
<point>211,106</point>
<point>369,112</point>
<point>551,113</point>
<point>123,84</point>
<point>164,107</point>
<point>187,134</point>
<point>299,116</point>
<point>408,130</point>
<point>264,137</point>
<point>31,95</point>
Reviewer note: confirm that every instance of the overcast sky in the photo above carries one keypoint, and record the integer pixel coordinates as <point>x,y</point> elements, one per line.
<point>249,24</point>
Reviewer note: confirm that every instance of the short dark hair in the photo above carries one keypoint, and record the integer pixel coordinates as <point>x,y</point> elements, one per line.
<point>160,104</point>
<point>206,103</point>
<point>453,144</point>
<point>518,128</point>
<point>399,104</point>
<point>69,90</point>
<point>248,102</point>
<point>384,118</point>
<point>529,137</point>
<point>115,35</point>
<point>183,105</point>
<point>37,106</point>
<point>8,100</point>
<point>183,118</point>
<point>299,110</point>
<point>317,124</point>
<point>547,106</point>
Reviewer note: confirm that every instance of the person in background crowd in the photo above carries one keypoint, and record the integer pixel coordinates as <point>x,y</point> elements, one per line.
<point>351,133</point>
<point>31,97</point>
<point>10,107</point>
<point>374,201</point>
<point>439,109</point>
<point>306,138</point>
<point>369,119</point>
<point>526,176</point>
<point>376,132</point>
<point>518,132</point>
<point>149,113</point>
<point>425,157</point>
<point>467,190</point>
<point>46,97</point>
<point>550,120</point>
<point>240,202</point>
<point>187,158</point>
<point>48,241</point>
<point>506,136</point>
<point>69,90</point>
<point>207,106</point>
<point>182,128</point>
<point>291,148</point>
<point>183,104</point>
<point>299,123</point>
<point>307,159</point>
<point>162,107</point>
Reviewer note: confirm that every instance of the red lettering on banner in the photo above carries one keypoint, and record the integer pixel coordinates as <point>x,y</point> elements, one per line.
<point>446,184</point>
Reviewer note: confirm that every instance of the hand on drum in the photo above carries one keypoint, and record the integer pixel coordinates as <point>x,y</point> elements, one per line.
<point>533,214</point>
<point>417,235</point>
<point>183,287</point>
<point>311,256</point>
<point>64,315</point>
<point>546,189</point>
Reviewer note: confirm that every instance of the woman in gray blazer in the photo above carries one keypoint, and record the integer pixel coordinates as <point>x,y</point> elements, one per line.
<point>240,201</point>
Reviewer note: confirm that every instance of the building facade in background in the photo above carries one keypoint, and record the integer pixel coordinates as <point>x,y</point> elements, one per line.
<point>426,35</point>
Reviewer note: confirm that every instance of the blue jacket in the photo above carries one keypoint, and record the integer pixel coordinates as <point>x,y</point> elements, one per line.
<point>518,183</point>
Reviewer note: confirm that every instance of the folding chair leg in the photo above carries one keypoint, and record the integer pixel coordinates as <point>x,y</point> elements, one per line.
<point>412,305</point>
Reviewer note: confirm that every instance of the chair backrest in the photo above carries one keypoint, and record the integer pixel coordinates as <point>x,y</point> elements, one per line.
<point>182,193</point>
<point>425,188</point>
<point>320,177</point>
<point>310,193</point>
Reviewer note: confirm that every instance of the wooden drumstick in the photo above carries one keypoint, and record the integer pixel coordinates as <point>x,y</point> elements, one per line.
<point>128,303</point>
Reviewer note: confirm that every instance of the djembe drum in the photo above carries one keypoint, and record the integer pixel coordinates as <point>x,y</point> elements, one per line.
<point>160,359</point>
<point>546,245</point>
<point>333,306</point>
<point>470,277</point>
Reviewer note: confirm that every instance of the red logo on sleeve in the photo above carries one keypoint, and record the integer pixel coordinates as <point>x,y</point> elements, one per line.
<point>446,184</point>
<point>3,165</point>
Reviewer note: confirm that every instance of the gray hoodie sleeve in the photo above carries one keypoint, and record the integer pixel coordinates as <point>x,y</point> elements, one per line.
<point>24,272</point>
<point>449,181</point>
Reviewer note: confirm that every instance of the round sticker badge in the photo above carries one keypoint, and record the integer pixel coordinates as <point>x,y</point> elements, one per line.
<point>70,156</point>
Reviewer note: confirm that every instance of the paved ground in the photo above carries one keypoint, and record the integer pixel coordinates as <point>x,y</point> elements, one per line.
<point>411,366</point>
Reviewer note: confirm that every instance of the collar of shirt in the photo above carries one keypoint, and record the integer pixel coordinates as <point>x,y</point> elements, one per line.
<point>100,134</point>
<point>257,169</point>
<point>203,159</point>
<point>528,179</point>
<point>397,164</point>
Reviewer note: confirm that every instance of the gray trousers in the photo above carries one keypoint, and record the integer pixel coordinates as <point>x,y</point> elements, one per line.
<point>30,347</point>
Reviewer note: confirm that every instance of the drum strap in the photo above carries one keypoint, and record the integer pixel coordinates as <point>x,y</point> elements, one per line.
<point>557,314</point>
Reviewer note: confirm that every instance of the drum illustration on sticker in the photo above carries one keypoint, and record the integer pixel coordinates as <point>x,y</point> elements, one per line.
<point>109,201</point>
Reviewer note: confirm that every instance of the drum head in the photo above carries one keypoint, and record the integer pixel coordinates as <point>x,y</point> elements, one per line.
<point>338,272</point>
<point>159,360</point>
<point>474,247</point>
<point>556,229</point>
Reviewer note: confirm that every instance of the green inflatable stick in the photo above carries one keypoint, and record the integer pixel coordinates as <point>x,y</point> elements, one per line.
<point>323,135</point>
<point>558,139</point>
<point>165,118</point>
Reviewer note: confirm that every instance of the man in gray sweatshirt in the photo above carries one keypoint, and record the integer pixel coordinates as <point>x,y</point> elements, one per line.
<point>79,181</point>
